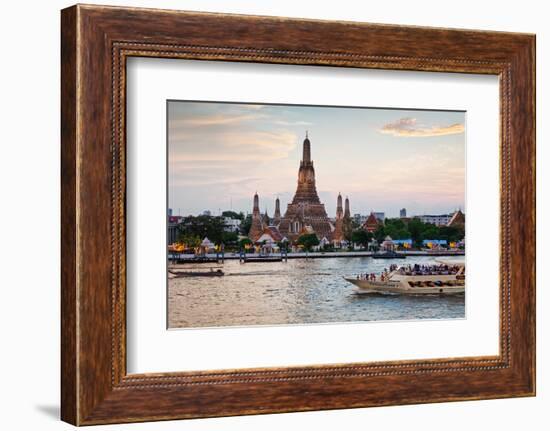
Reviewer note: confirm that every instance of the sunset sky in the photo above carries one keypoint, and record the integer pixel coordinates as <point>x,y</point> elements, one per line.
<point>219,154</point>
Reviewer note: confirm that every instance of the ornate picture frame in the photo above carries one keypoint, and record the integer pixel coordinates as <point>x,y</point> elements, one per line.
<point>96,41</point>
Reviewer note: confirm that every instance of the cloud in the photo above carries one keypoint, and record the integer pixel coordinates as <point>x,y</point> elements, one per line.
<point>292,123</point>
<point>253,107</point>
<point>214,120</point>
<point>231,145</point>
<point>408,127</point>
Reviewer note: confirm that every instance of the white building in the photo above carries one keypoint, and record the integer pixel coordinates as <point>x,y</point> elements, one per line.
<point>438,220</point>
<point>173,224</point>
<point>360,219</point>
<point>380,216</point>
<point>231,224</point>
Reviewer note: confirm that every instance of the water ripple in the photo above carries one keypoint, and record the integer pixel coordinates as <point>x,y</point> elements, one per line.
<point>296,292</point>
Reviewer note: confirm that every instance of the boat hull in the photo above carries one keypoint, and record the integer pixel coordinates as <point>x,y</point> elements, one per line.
<point>396,288</point>
<point>388,256</point>
<point>196,274</point>
<point>263,259</point>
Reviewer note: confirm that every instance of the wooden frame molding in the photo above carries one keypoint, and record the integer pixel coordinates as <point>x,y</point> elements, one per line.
<point>95,43</point>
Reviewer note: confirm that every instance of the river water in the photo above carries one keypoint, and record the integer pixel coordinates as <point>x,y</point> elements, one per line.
<point>300,291</point>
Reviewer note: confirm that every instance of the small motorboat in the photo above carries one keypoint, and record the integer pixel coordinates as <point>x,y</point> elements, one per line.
<point>211,273</point>
<point>200,259</point>
<point>388,255</point>
<point>263,259</point>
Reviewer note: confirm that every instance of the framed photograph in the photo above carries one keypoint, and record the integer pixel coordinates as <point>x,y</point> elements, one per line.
<point>264,214</point>
<point>301,262</point>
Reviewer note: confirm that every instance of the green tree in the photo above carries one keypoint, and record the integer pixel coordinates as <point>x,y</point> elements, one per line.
<point>402,234</point>
<point>396,223</point>
<point>390,230</point>
<point>190,241</point>
<point>451,233</point>
<point>380,233</point>
<point>244,242</point>
<point>230,238</point>
<point>203,226</point>
<point>397,229</point>
<point>245,225</point>
<point>415,228</point>
<point>308,241</point>
<point>361,237</point>
<point>430,231</point>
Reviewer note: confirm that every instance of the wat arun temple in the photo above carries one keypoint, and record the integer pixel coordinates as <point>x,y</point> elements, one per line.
<point>305,214</point>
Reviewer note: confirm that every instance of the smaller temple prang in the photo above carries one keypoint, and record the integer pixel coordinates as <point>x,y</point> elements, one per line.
<point>339,211</point>
<point>347,213</point>
<point>266,219</point>
<point>256,204</point>
<point>257,226</point>
<point>277,214</point>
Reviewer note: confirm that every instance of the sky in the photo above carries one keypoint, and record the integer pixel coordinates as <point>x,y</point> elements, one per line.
<point>220,154</point>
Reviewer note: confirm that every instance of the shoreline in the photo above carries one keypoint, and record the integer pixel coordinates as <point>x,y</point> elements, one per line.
<point>309,255</point>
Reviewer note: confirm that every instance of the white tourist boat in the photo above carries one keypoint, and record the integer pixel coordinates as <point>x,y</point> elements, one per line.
<point>443,279</point>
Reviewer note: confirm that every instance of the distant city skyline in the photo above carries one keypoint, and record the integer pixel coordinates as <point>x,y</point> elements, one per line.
<point>220,154</point>
<point>219,212</point>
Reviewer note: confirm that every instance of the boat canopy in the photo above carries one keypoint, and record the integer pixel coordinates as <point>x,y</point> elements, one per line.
<point>451,262</point>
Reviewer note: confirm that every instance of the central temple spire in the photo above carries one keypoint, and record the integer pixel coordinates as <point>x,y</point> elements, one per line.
<point>305,213</point>
<point>306,191</point>
<point>306,157</point>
